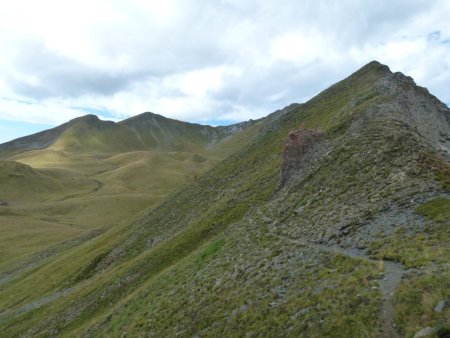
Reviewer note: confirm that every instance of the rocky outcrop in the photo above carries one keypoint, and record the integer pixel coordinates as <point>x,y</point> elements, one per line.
<point>300,153</point>
<point>235,128</point>
<point>416,107</point>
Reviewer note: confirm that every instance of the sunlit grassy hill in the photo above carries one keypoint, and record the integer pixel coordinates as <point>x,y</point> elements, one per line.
<point>87,175</point>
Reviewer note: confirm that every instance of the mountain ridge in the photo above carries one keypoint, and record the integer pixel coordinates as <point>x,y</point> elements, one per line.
<point>235,253</point>
<point>47,138</point>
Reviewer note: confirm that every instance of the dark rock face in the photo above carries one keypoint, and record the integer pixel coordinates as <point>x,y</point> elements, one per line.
<point>416,107</point>
<point>300,152</point>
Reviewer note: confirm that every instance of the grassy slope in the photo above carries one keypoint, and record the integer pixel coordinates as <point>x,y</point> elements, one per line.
<point>249,281</point>
<point>215,257</point>
<point>227,292</point>
<point>25,227</point>
<point>417,297</point>
<point>95,174</point>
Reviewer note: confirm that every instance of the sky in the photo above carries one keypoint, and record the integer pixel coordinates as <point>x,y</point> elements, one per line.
<point>215,61</point>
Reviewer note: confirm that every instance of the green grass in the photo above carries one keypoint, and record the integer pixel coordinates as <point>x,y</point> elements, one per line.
<point>439,168</point>
<point>211,250</point>
<point>130,181</point>
<point>61,193</point>
<point>416,249</point>
<point>415,302</point>
<point>420,247</point>
<point>337,298</point>
<point>22,236</point>
<point>437,210</point>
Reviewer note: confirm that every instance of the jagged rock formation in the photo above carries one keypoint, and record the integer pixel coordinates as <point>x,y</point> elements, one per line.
<point>300,152</point>
<point>416,107</point>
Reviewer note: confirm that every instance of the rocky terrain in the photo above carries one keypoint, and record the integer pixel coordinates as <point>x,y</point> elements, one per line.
<point>337,228</point>
<point>302,146</point>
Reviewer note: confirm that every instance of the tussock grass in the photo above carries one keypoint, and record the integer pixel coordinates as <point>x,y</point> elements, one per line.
<point>416,299</point>
<point>437,210</point>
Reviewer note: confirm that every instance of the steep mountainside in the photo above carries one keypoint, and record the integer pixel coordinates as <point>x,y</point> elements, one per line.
<point>332,219</point>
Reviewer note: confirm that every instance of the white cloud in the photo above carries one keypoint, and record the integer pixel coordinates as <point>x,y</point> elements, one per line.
<point>34,112</point>
<point>210,60</point>
<point>199,82</point>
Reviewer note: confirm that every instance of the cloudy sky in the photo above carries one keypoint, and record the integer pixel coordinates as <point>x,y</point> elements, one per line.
<point>215,61</point>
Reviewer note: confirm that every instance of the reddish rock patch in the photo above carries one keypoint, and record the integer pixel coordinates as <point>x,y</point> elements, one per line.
<point>299,151</point>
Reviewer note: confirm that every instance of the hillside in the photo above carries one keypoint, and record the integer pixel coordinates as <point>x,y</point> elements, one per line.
<point>89,134</point>
<point>75,181</point>
<point>329,219</point>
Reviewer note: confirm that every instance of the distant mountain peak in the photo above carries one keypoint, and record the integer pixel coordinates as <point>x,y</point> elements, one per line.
<point>87,118</point>
<point>375,66</point>
<point>145,115</point>
<point>89,121</point>
<point>370,73</point>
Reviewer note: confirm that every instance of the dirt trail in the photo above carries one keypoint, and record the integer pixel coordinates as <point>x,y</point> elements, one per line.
<point>393,276</point>
<point>98,186</point>
<point>393,273</point>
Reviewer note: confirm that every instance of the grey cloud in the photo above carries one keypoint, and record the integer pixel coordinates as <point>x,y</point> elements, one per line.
<point>59,76</point>
<point>256,88</point>
<point>214,33</point>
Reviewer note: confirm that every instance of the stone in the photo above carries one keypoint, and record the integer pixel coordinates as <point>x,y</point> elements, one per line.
<point>243,307</point>
<point>440,306</point>
<point>425,332</point>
